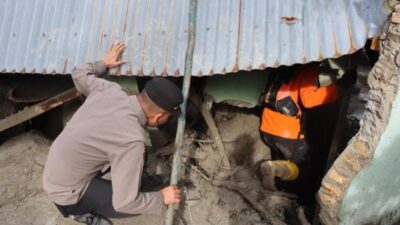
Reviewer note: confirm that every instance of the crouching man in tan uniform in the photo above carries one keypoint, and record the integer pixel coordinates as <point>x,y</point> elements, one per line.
<point>108,132</point>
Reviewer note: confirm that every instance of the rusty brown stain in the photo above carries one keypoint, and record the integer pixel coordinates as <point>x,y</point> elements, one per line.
<point>126,20</point>
<point>223,70</point>
<point>335,46</point>
<point>93,19</point>
<point>65,65</point>
<point>102,34</point>
<point>304,59</point>
<point>114,21</point>
<point>101,38</point>
<point>168,36</point>
<point>56,101</point>
<point>118,71</point>
<point>134,36</point>
<point>275,64</point>
<point>320,56</point>
<point>352,48</point>
<point>153,72</point>
<point>156,41</point>
<point>129,72</point>
<point>177,72</point>
<point>235,68</point>
<point>249,67</point>
<point>145,36</point>
<point>290,19</point>
<point>140,72</point>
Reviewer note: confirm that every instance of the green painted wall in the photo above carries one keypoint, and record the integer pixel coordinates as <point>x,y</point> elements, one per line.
<point>243,86</point>
<point>128,83</point>
<point>374,194</point>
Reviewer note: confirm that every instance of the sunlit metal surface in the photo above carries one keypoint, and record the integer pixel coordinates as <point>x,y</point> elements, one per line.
<point>52,36</point>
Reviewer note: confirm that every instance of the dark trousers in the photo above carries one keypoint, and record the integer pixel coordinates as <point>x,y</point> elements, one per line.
<point>295,150</point>
<point>97,198</point>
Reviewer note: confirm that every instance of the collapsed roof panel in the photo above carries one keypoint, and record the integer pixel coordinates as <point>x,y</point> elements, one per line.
<point>46,36</point>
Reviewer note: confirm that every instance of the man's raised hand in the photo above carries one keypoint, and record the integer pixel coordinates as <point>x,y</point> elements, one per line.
<point>113,56</point>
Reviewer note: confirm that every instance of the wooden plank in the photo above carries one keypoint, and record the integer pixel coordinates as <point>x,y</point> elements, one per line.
<point>215,135</point>
<point>38,109</point>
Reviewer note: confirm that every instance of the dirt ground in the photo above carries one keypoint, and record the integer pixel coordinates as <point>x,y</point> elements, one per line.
<point>237,199</point>
<point>22,198</point>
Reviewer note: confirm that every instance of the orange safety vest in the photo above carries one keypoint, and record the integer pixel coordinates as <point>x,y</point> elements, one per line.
<point>304,92</point>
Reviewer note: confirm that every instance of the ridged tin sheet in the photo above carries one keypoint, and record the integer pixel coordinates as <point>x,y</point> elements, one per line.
<point>52,36</point>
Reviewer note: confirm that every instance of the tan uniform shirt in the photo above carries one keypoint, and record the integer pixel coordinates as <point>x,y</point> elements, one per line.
<point>108,129</point>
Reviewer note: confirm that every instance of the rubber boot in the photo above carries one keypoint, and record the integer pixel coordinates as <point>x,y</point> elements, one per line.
<point>281,169</point>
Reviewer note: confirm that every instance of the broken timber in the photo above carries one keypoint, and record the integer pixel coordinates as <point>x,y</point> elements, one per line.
<point>215,135</point>
<point>38,109</point>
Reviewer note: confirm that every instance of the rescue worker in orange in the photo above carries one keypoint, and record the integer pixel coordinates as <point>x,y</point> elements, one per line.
<point>288,93</point>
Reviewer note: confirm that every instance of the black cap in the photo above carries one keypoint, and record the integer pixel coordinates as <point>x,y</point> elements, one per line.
<point>164,93</point>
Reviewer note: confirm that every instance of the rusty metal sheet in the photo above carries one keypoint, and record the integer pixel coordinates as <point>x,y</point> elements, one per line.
<point>52,36</point>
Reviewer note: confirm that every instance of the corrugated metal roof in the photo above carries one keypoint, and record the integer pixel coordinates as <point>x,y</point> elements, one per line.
<point>52,36</point>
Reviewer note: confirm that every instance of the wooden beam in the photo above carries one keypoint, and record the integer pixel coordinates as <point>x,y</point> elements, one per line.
<point>38,109</point>
<point>215,135</point>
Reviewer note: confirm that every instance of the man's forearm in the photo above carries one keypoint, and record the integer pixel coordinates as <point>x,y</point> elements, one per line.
<point>85,76</point>
<point>100,69</point>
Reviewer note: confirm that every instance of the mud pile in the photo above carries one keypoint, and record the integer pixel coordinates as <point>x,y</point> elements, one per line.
<point>212,194</point>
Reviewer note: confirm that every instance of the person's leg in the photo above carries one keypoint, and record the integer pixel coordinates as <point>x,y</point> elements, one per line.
<point>300,156</point>
<point>270,141</point>
<point>293,168</point>
<point>298,152</point>
<point>97,200</point>
<point>279,167</point>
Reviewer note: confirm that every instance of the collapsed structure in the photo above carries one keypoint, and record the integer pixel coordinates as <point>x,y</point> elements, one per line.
<point>230,37</point>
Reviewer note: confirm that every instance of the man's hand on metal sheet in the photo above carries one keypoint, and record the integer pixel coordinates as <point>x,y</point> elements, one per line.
<point>113,56</point>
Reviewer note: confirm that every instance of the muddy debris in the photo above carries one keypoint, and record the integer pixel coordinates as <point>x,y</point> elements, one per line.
<point>212,194</point>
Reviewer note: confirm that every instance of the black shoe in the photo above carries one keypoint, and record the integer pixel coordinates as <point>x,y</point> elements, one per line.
<point>90,219</point>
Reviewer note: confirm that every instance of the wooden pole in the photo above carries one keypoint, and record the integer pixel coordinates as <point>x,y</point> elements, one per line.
<point>215,135</point>
<point>169,218</point>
